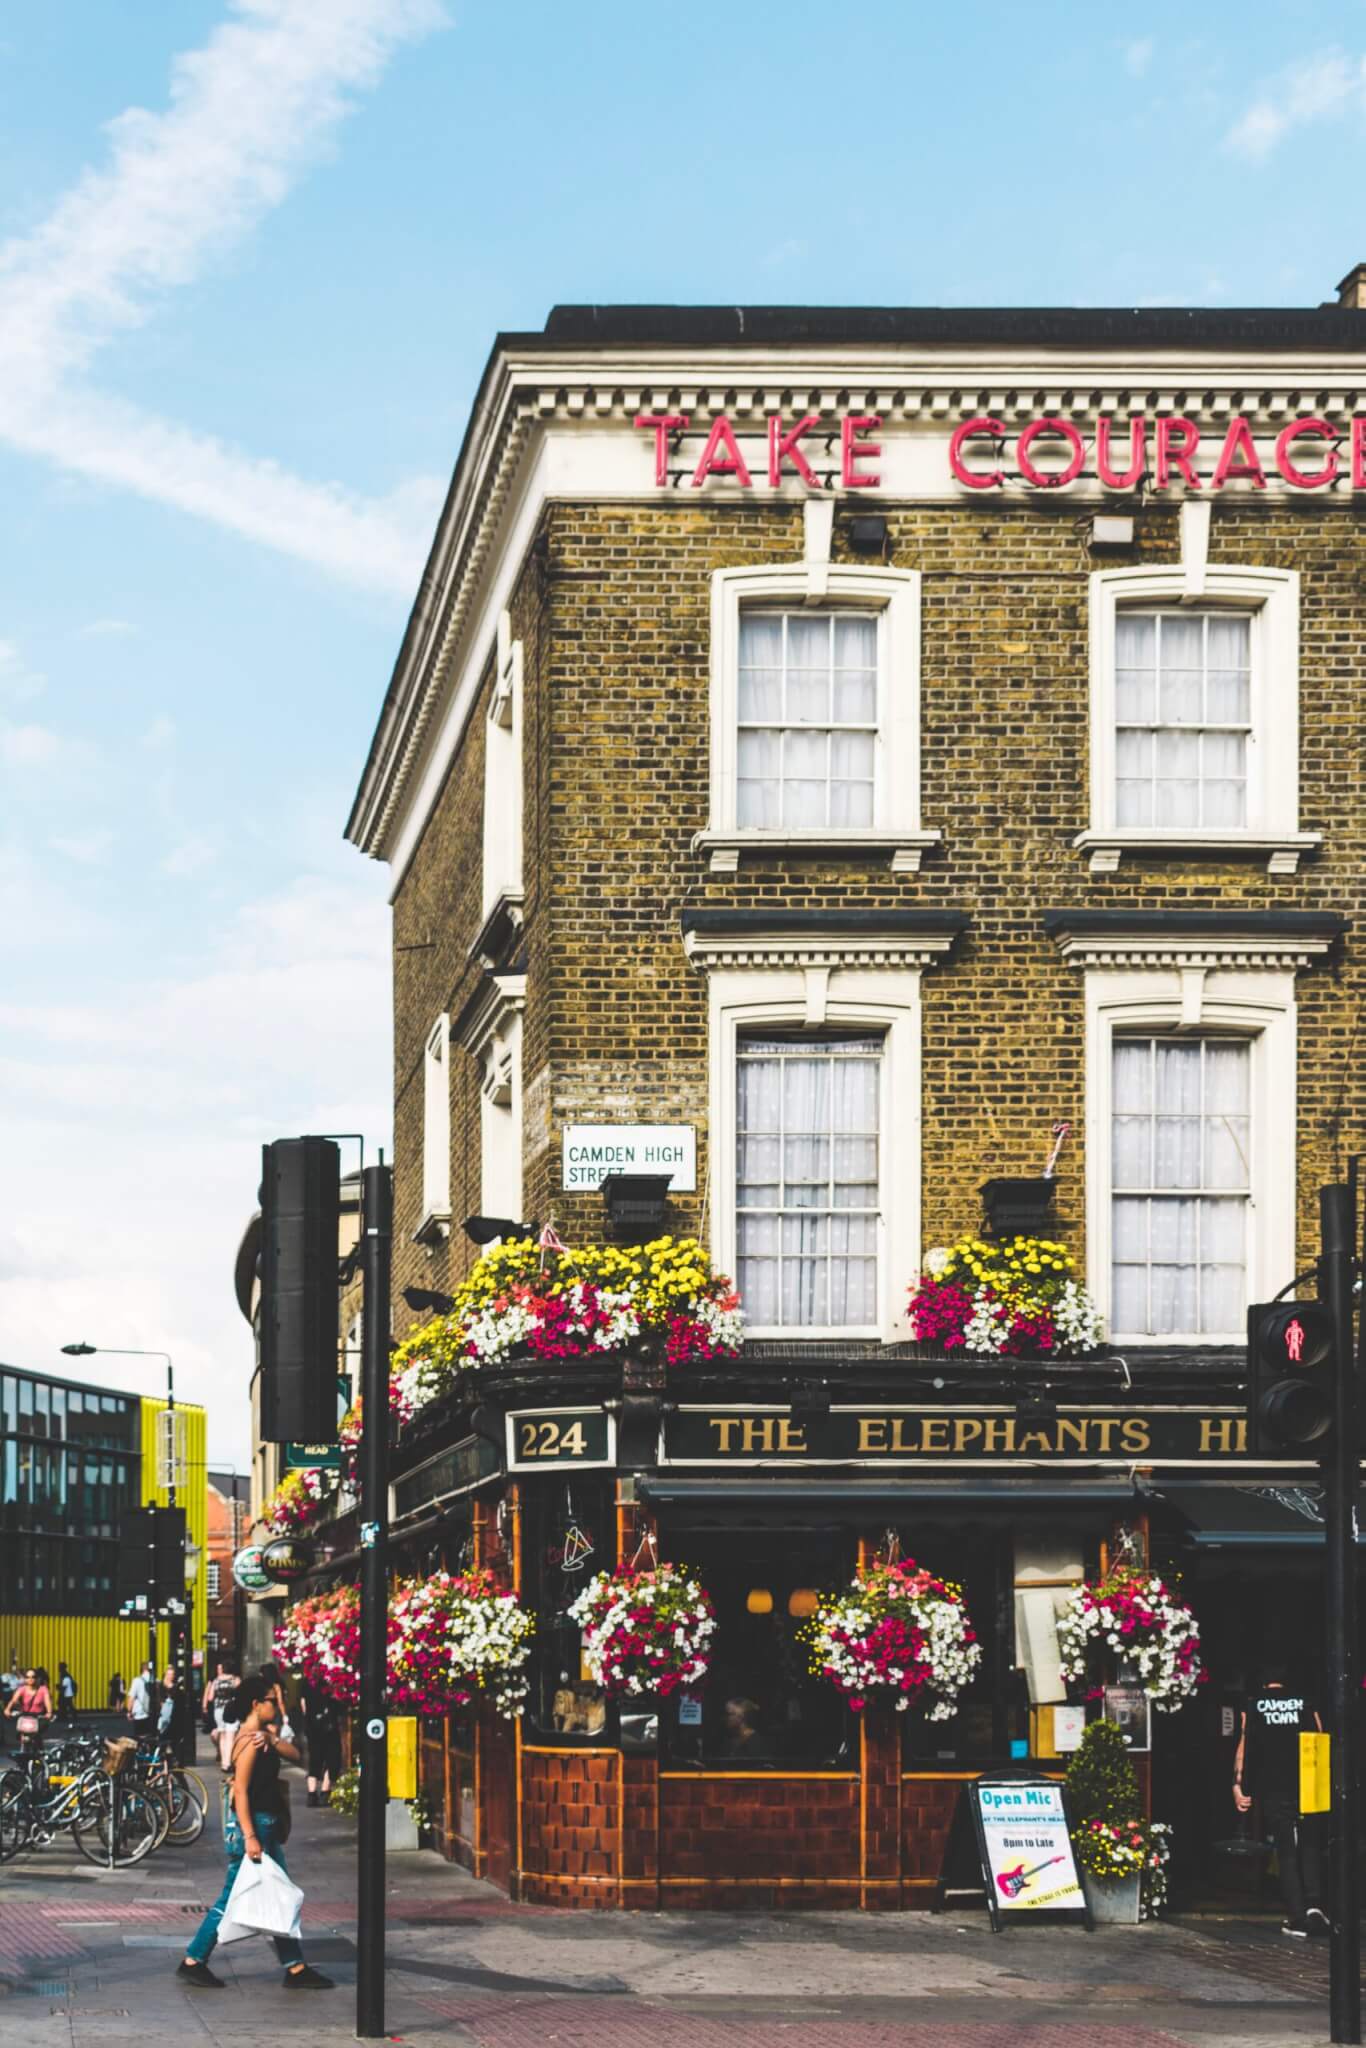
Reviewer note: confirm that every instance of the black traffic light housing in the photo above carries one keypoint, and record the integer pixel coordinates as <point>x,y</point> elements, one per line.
<point>300,1210</point>
<point>1291,1372</point>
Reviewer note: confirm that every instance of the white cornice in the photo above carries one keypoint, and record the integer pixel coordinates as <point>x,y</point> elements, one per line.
<point>1158,948</point>
<point>832,950</point>
<point>502,997</point>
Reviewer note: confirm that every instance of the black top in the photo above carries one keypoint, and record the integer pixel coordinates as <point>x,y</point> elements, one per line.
<point>1276,1718</point>
<point>265,1794</point>
<point>321,1716</point>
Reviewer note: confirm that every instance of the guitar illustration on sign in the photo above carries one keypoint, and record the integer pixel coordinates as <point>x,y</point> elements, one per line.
<point>1013,1882</point>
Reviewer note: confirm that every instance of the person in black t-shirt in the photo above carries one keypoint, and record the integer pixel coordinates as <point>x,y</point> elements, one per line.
<point>1267,1768</point>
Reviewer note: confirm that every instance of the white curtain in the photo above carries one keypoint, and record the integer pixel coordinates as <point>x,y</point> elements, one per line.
<point>807,718</point>
<point>1180,1175</point>
<point>807,1182</point>
<point>1182,707</point>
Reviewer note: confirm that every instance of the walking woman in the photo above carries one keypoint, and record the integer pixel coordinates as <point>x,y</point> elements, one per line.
<point>252,1828</point>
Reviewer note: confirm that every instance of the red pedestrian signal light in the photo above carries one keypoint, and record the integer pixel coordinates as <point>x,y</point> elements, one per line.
<point>1291,1369</point>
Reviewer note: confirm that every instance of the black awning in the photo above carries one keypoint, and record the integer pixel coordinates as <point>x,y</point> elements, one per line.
<point>1250,1517</point>
<point>877,1495</point>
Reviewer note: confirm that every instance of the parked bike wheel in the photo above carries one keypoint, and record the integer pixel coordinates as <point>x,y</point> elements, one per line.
<point>16,1814</point>
<point>195,1786</point>
<point>137,1821</point>
<point>187,1815</point>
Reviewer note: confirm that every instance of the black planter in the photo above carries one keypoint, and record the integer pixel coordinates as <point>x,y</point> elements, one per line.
<point>1018,1208</point>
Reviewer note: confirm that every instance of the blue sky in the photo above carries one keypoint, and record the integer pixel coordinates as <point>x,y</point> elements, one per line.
<point>251,260</point>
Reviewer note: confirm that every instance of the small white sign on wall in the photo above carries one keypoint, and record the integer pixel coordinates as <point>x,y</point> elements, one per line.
<point>592,1151</point>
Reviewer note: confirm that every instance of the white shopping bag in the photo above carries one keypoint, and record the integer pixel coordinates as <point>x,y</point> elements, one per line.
<point>262,1901</point>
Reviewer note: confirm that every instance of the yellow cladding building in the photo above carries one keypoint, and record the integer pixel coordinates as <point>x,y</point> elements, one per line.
<point>73,1460</point>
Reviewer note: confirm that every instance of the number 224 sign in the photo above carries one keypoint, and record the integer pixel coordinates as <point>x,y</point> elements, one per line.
<point>539,1439</point>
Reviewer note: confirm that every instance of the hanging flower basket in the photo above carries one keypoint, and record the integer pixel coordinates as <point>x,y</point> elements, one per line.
<point>453,1639</point>
<point>319,1640</point>
<point>1135,1616</point>
<point>645,1631</point>
<point>591,1301</point>
<point>450,1640</point>
<point>898,1633</point>
<point>1019,1299</point>
<point>298,1501</point>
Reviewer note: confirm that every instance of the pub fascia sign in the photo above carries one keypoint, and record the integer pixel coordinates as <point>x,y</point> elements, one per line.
<point>881,1436</point>
<point>1047,453</point>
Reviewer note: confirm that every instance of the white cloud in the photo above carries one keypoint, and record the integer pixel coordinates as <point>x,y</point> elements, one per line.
<point>190,856</point>
<point>19,684</point>
<point>1138,55</point>
<point>160,733</point>
<point>87,848</point>
<point>138,1113</point>
<point>107,629</point>
<point>249,112</point>
<point>28,746</point>
<point>1318,88</point>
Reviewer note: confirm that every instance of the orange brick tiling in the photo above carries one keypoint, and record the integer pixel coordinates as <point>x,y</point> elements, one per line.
<point>759,1829</point>
<point>927,1810</point>
<point>571,1819</point>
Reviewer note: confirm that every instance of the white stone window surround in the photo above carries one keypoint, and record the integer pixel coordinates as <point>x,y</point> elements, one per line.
<point>894,596</point>
<point>1256,1004</point>
<point>760,982</point>
<point>491,1032</point>
<point>502,883</point>
<point>1270,599</point>
<point>436,1134</point>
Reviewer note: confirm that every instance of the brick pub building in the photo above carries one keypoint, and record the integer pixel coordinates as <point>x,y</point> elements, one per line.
<point>829,749</point>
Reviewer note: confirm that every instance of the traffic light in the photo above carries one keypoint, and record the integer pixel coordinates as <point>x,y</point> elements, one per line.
<point>1291,1369</point>
<point>140,1531</point>
<point>300,1207</point>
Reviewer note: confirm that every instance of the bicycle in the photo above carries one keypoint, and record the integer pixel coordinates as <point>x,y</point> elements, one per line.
<point>183,1790</point>
<point>111,1822</point>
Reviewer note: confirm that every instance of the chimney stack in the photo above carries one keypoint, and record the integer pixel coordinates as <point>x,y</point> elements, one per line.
<point>1352,290</point>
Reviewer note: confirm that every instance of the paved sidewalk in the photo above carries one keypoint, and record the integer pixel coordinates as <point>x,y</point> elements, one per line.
<point>88,1957</point>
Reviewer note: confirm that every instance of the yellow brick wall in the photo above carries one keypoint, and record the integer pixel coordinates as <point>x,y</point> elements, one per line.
<point>613,609</point>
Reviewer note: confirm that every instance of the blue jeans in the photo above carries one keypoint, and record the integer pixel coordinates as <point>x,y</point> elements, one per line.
<point>266,1824</point>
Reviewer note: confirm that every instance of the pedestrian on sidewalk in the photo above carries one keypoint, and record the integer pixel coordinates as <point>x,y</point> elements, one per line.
<point>118,1693</point>
<point>10,1681</point>
<point>1267,1768</point>
<point>140,1704</point>
<point>252,1828</point>
<point>66,1694</point>
<point>322,1726</point>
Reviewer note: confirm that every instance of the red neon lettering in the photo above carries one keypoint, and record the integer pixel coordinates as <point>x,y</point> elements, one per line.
<point>853,449</point>
<point>783,447</point>
<point>712,462</point>
<point>1238,457</point>
<point>664,424</point>
<point>1286,438</point>
<point>1359,452</point>
<point>984,481</point>
<point>1171,431</point>
<point>1138,454</point>
<point>1294,1340</point>
<point>1050,480</point>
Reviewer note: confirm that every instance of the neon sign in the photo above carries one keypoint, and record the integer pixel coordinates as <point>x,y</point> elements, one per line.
<point>1157,453</point>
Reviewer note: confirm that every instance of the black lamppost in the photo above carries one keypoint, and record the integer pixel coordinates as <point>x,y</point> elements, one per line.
<point>181,1660</point>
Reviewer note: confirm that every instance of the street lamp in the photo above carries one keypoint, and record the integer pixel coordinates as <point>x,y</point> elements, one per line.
<point>172,1464</point>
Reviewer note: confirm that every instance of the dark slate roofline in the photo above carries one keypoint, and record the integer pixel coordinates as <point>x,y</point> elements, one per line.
<point>1285,924</point>
<point>1329,327</point>
<point>909,922</point>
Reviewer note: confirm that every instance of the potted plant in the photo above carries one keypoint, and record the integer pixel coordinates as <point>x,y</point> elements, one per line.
<point>1122,1857</point>
<point>1017,1299</point>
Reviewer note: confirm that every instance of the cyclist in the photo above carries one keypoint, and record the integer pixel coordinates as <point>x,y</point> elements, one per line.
<point>30,1705</point>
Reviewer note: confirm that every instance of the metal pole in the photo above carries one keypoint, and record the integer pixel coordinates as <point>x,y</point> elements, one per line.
<point>1337,1207</point>
<point>373,1747</point>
